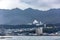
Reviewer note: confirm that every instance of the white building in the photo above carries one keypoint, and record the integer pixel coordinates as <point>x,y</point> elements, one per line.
<point>39,31</point>
<point>35,22</point>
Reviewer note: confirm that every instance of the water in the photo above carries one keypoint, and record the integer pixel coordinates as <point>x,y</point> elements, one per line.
<point>31,38</point>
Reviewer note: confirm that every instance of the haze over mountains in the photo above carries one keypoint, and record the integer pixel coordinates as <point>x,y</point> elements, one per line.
<point>18,16</point>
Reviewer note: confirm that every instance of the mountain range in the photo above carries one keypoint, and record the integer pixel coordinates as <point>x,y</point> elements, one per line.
<point>18,16</point>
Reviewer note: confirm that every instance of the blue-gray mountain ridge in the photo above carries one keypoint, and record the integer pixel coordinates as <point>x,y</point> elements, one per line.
<point>18,16</point>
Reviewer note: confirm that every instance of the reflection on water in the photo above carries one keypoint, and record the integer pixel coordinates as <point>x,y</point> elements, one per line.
<point>30,38</point>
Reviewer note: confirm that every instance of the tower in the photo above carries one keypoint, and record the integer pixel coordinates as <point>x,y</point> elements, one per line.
<point>44,25</point>
<point>41,23</point>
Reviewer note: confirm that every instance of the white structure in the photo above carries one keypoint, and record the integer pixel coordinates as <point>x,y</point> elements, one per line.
<point>44,25</point>
<point>39,31</point>
<point>35,22</point>
<point>41,23</point>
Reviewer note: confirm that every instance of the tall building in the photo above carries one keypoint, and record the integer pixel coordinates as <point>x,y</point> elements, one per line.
<point>39,31</point>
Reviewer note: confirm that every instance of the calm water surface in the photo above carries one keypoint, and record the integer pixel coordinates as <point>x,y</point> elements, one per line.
<point>30,38</point>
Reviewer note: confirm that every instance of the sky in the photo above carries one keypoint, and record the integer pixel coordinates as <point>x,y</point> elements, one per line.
<point>35,4</point>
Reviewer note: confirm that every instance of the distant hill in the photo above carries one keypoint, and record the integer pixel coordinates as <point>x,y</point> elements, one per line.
<point>18,16</point>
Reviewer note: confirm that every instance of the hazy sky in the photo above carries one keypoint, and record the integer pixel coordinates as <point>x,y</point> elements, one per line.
<point>35,4</point>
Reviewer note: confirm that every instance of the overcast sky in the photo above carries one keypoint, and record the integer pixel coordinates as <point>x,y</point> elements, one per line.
<point>35,4</point>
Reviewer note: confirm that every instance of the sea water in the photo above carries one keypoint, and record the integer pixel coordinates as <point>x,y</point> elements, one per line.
<point>30,38</point>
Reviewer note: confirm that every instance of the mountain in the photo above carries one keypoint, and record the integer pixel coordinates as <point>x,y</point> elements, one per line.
<point>18,16</point>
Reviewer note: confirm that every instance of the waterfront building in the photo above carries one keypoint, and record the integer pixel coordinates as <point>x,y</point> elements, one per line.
<point>39,31</point>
